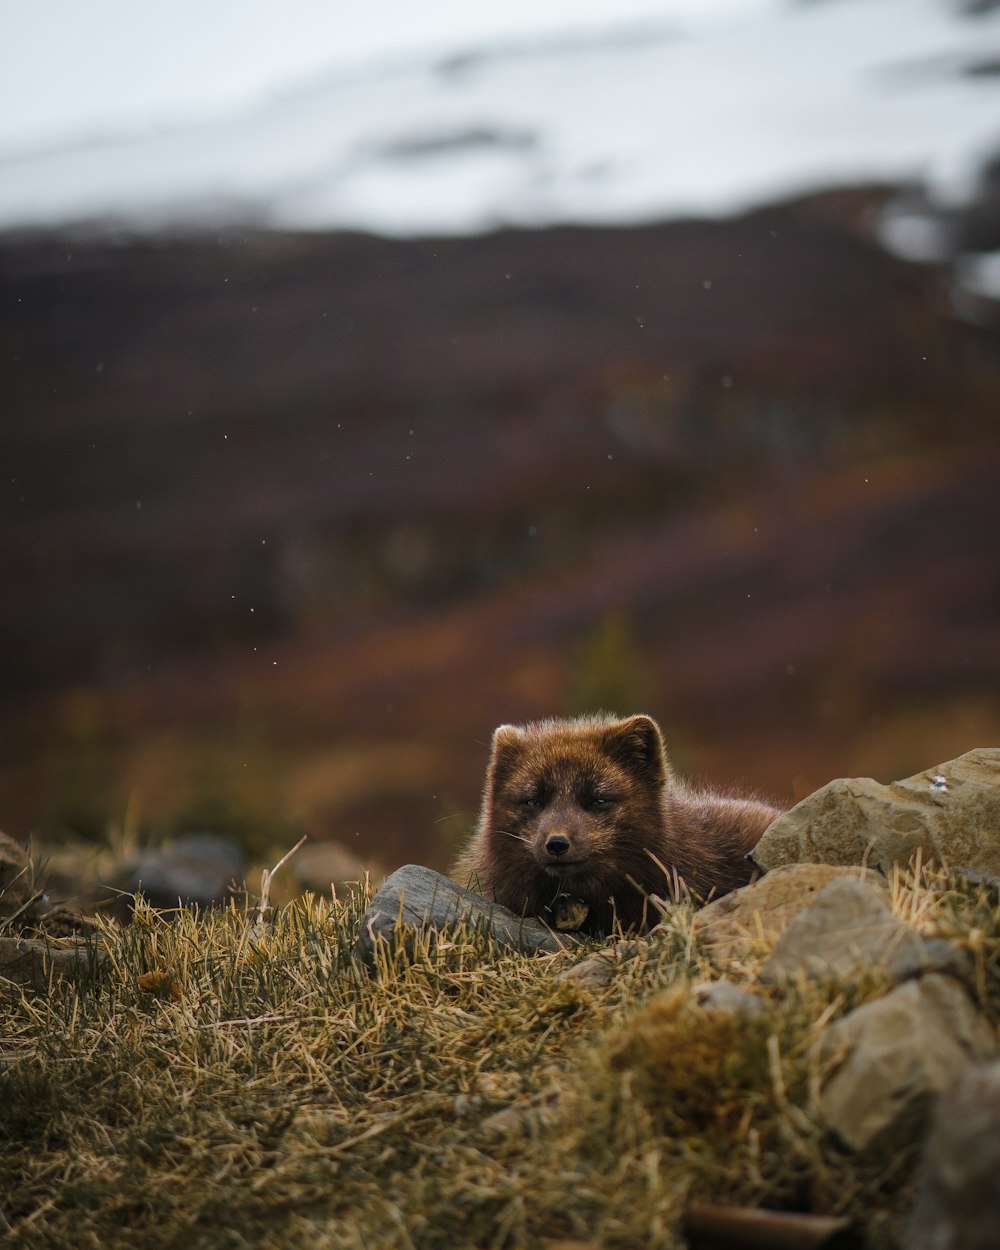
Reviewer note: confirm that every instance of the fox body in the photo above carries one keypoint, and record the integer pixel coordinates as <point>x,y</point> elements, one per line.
<point>584,818</point>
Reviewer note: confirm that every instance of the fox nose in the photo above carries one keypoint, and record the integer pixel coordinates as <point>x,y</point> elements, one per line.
<point>556,845</point>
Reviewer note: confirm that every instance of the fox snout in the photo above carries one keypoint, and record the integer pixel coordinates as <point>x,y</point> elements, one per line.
<point>558,842</point>
<point>555,849</point>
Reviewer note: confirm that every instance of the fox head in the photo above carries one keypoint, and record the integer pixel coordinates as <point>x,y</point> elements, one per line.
<point>573,808</point>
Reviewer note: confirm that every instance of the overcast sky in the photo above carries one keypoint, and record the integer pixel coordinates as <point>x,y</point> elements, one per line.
<point>77,67</point>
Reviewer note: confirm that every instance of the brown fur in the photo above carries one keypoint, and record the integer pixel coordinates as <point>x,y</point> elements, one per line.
<point>623,826</point>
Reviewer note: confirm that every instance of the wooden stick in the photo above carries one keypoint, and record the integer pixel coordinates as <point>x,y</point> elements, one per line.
<point>709,1227</point>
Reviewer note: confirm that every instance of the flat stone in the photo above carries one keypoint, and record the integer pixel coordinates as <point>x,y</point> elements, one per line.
<point>31,962</point>
<point>891,1058</point>
<point>414,897</point>
<point>958,1198</point>
<point>761,912</point>
<point>949,813</point>
<point>846,929</point>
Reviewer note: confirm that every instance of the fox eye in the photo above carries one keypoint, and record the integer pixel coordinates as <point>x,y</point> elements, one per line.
<point>602,800</point>
<point>531,800</point>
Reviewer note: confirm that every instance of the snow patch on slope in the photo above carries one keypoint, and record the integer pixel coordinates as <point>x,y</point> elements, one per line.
<point>631,124</point>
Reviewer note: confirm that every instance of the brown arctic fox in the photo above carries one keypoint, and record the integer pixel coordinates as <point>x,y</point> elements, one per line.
<point>582,820</point>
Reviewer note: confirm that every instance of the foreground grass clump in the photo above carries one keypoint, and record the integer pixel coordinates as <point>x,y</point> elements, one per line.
<point>229,1084</point>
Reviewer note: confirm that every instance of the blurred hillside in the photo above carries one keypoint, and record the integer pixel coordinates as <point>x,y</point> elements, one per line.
<point>290,522</point>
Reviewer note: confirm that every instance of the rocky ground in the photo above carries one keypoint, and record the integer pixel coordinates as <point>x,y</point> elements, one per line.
<point>810,1060</point>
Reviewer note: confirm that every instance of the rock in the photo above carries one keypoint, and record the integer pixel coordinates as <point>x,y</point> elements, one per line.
<point>950,813</point>
<point>846,929</point>
<point>600,969</point>
<point>538,1111</point>
<point>957,1205</point>
<point>890,1058</point>
<point>31,962</point>
<point>198,869</point>
<point>417,897</point>
<point>725,995</point>
<point>593,973</point>
<point>16,877</point>
<point>762,911</point>
<point>320,865</point>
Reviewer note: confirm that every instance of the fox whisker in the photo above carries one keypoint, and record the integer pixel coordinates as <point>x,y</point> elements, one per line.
<point>516,836</point>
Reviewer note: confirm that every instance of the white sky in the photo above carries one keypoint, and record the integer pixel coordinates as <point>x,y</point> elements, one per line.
<point>70,68</point>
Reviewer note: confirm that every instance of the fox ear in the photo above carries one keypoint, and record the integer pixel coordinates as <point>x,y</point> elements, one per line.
<point>507,744</point>
<point>638,744</point>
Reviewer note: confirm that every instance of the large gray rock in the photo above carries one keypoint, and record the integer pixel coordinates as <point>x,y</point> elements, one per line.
<point>889,1060</point>
<point>761,912</point>
<point>414,897</point>
<point>950,813</point>
<point>958,1191</point>
<point>848,929</point>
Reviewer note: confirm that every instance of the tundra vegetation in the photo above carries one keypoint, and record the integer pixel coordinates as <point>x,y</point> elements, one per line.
<point>232,1081</point>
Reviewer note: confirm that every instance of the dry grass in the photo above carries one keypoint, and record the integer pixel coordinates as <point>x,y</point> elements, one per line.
<point>261,1090</point>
